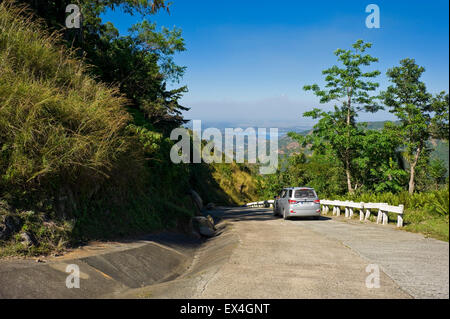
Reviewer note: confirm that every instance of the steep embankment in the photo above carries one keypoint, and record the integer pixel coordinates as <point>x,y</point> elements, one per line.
<point>75,165</point>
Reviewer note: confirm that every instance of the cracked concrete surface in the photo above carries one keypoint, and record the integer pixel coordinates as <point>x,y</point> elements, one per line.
<point>259,256</point>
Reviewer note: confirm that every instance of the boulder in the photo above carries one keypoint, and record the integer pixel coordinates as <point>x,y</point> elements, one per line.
<point>4,231</point>
<point>195,234</point>
<point>197,200</point>
<point>8,225</point>
<point>27,239</point>
<point>206,231</point>
<point>203,226</point>
<point>211,221</point>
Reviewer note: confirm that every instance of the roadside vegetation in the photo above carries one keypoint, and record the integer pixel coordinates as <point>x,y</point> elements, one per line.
<point>86,157</point>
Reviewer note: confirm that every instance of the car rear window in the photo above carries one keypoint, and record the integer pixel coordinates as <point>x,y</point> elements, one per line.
<point>304,193</point>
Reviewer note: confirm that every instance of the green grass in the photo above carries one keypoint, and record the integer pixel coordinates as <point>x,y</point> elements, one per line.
<point>58,126</point>
<point>420,221</point>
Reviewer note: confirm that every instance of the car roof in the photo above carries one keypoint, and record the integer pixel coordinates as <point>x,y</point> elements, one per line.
<point>299,188</point>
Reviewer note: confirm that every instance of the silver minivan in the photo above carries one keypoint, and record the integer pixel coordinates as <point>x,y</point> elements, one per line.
<point>297,201</point>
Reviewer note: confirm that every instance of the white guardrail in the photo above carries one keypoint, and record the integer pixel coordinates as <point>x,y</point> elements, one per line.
<point>364,209</point>
<point>383,210</point>
<point>261,204</point>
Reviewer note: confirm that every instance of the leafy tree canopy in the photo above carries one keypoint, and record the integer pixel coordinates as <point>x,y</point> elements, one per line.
<point>141,62</point>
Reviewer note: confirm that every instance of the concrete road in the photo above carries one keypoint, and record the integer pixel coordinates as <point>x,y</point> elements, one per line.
<point>258,256</point>
<point>254,255</point>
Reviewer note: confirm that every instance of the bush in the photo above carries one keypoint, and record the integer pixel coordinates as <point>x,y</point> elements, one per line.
<point>58,127</point>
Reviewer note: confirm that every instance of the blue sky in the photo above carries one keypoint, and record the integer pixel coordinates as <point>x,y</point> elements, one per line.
<point>247,61</point>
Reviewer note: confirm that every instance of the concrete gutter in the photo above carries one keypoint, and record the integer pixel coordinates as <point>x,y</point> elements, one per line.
<point>106,270</point>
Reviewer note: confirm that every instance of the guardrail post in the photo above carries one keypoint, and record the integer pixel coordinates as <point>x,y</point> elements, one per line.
<point>346,212</point>
<point>379,216</point>
<point>385,218</point>
<point>367,214</point>
<point>351,212</point>
<point>338,211</point>
<point>400,217</point>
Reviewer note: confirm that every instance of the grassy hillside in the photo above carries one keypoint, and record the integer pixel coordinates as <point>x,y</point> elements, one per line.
<point>75,165</point>
<point>237,181</point>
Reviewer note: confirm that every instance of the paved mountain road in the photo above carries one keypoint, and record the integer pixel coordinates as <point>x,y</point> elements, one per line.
<point>254,255</point>
<point>258,256</point>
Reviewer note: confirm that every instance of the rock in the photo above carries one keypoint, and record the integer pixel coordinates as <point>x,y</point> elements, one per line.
<point>206,231</point>
<point>8,225</point>
<point>4,232</point>
<point>13,223</point>
<point>195,234</point>
<point>203,226</point>
<point>210,206</point>
<point>197,199</point>
<point>211,221</point>
<point>27,239</point>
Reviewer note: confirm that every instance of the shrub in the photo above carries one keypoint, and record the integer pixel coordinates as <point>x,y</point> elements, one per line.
<point>58,127</point>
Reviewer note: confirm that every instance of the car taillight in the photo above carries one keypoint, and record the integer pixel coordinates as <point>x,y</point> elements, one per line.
<point>317,201</point>
<point>292,201</point>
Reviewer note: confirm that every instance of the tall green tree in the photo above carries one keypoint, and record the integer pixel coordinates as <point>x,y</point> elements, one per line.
<point>350,87</point>
<point>421,115</point>
<point>437,171</point>
<point>141,62</point>
<point>379,161</point>
<point>439,122</point>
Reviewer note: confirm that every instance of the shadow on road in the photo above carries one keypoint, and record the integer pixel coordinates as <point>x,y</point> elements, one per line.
<point>257,214</point>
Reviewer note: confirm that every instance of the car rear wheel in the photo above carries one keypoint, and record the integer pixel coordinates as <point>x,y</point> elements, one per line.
<point>285,217</point>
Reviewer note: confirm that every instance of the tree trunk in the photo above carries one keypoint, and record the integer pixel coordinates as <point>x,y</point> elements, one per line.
<point>349,177</point>
<point>347,155</point>
<point>412,174</point>
<point>411,179</point>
